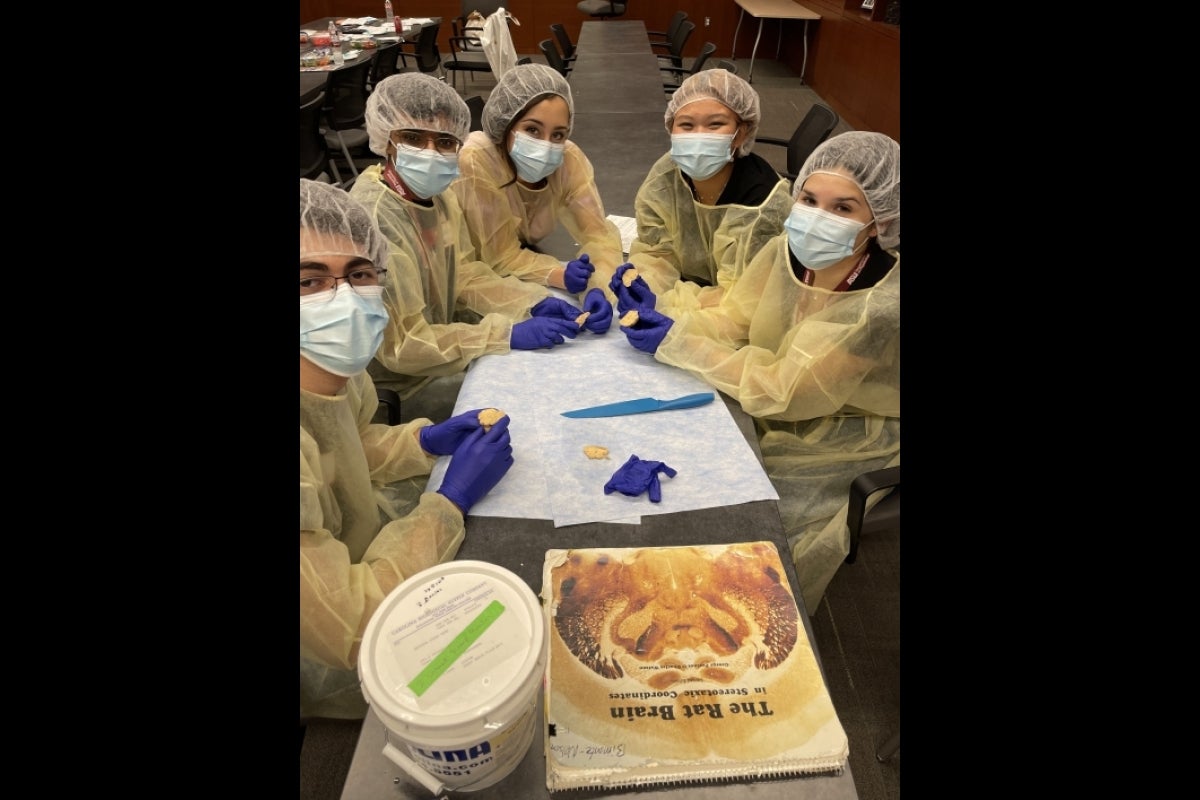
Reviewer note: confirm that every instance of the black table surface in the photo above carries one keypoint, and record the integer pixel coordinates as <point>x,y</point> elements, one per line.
<point>313,81</point>
<point>520,546</point>
<point>613,36</point>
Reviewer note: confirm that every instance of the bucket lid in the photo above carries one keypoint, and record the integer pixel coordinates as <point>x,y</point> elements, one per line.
<point>451,646</point>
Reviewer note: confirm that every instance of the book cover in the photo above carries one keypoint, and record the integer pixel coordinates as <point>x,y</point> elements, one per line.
<point>680,665</point>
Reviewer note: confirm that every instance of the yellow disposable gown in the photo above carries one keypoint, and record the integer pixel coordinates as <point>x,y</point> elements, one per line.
<point>707,246</point>
<point>500,217</point>
<point>353,548</point>
<point>820,372</point>
<point>445,307</point>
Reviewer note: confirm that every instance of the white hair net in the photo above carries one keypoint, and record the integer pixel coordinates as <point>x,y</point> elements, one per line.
<point>872,160</point>
<point>513,92</point>
<point>417,101</point>
<point>727,89</point>
<point>331,217</point>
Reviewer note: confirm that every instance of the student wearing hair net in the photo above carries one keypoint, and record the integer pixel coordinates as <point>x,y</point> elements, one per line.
<point>355,547</point>
<point>709,205</point>
<point>808,341</point>
<point>446,307</point>
<point>522,175</point>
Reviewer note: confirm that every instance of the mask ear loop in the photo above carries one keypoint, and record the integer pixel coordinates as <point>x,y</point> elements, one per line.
<point>734,148</point>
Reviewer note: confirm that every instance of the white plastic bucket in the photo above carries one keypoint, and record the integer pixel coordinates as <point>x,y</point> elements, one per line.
<point>451,663</point>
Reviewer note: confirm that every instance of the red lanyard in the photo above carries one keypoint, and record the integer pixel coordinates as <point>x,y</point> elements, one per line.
<point>392,179</point>
<point>849,279</point>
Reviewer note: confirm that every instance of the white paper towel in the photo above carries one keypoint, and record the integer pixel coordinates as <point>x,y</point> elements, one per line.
<point>551,478</point>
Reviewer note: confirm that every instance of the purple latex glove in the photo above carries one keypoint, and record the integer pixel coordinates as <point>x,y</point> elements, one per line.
<point>649,331</point>
<point>600,311</point>
<point>478,465</point>
<point>636,295</point>
<point>636,476</point>
<point>577,274</point>
<point>444,438</point>
<point>556,309</point>
<point>537,332</point>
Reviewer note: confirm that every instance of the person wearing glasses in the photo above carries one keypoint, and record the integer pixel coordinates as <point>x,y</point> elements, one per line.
<point>710,204</point>
<point>808,342</point>
<point>446,307</point>
<point>353,549</point>
<point>522,175</point>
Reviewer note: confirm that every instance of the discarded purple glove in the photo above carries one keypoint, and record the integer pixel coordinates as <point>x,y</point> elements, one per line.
<point>636,476</point>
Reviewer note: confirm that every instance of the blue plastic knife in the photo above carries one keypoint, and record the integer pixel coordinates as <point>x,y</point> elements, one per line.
<point>640,406</point>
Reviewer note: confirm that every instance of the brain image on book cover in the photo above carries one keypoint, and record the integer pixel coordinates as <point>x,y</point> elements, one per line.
<point>680,664</point>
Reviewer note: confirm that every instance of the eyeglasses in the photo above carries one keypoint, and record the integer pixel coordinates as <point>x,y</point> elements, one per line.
<point>363,276</point>
<point>444,143</point>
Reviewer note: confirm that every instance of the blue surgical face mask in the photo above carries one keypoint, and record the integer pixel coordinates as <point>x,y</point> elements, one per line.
<point>342,333</point>
<point>819,239</point>
<point>535,158</point>
<point>701,155</point>
<point>427,172</point>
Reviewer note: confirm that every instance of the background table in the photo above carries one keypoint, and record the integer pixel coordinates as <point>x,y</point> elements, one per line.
<point>773,9</point>
<point>313,81</point>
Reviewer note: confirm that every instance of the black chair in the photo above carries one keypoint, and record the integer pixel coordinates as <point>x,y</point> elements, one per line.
<point>314,157</point>
<point>601,9</point>
<point>564,43</point>
<point>458,25</point>
<point>553,58</point>
<point>727,65</point>
<point>466,59</point>
<point>697,64</point>
<point>387,62</point>
<point>674,57</point>
<point>815,128</point>
<point>389,406</point>
<point>885,514</point>
<point>476,103</point>
<point>466,50</point>
<point>663,38</point>
<point>345,116</point>
<point>424,51</point>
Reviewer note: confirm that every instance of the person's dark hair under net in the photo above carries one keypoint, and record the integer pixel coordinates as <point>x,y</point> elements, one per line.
<point>727,89</point>
<point>333,223</point>
<point>872,160</point>
<point>414,100</point>
<point>516,90</point>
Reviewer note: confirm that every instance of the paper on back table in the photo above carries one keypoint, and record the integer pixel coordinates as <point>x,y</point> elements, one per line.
<point>551,478</point>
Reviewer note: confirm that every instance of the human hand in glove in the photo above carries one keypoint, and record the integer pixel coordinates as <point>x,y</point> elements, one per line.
<point>577,274</point>
<point>477,465</point>
<point>636,295</point>
<point>600,311</point>
<point>555,308</point>
<point>636,476</point>
<point>538,332</point>
<point>647,334</point>
<point>444,438</point>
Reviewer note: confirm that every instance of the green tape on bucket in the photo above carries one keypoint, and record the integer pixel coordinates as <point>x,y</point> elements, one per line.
<point>442,661</point>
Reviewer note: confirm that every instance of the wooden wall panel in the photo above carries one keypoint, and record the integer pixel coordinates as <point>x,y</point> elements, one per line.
<point>853,64</point>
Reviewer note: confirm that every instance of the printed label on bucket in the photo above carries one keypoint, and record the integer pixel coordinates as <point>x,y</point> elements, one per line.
<point>471,767</point>
<point>455,645</point>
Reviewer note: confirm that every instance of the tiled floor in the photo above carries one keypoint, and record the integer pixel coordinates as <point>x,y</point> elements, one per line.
<point>857,628</point>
